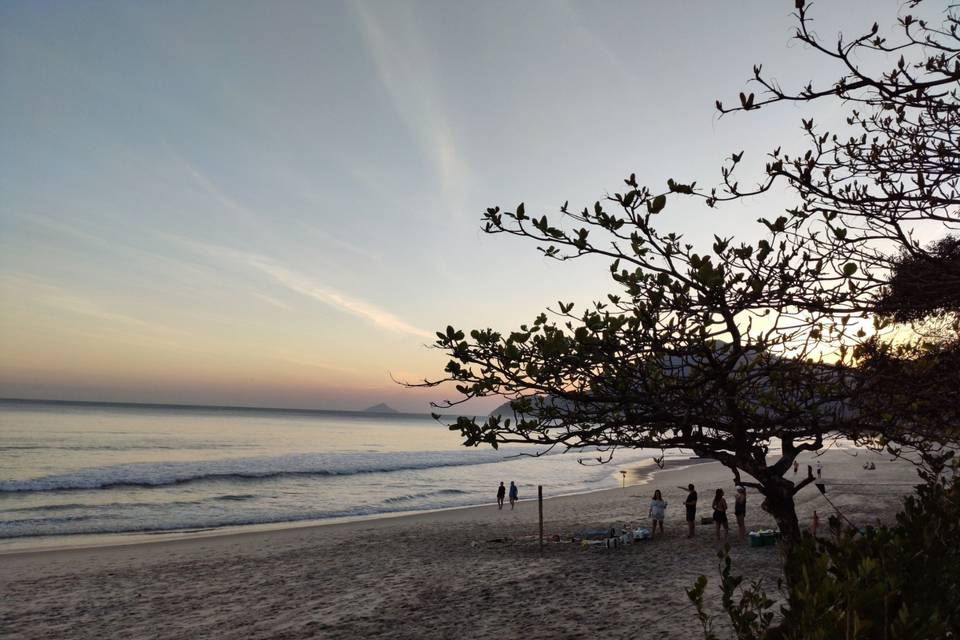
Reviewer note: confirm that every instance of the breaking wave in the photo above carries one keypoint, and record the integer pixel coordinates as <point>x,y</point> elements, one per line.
<point>246,469</point>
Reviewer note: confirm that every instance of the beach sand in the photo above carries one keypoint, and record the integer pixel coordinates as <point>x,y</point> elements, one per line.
<point>463,573</point>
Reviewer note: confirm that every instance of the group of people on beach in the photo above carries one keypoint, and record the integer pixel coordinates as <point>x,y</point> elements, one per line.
<point>796,467</point>
<point>502,492</point>
<point>658,510</point>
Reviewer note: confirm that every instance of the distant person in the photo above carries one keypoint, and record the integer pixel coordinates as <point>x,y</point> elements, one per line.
<point>796,466</point>
<point>740,510</point>
<point>501,492</point>
<point>819,470</point>
<point>658,509</point>
<point>720,513</point>
<point>691,504</point>
<point>514,494</point>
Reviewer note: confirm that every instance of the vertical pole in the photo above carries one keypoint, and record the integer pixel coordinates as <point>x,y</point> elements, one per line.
<point>540,505</point>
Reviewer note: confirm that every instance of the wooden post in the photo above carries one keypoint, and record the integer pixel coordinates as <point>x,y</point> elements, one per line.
<point>540,505</point>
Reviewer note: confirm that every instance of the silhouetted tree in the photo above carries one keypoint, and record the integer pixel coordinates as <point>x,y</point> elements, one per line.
<point>877,187</point>
<point>724,351</point>
<point>918,376</point>
<point>872,192</point>
<point>698,352</point>
<point>919,288</point>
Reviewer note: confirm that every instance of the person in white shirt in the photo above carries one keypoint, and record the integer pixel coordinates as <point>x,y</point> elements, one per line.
<point>658,509</point>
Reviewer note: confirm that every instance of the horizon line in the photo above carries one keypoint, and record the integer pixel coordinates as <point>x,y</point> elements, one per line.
<point>175,405</point>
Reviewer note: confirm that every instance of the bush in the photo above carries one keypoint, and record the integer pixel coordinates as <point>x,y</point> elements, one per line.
<point>897,582</point>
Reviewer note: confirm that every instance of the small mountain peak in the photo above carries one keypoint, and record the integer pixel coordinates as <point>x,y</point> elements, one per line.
<point>381,408</point>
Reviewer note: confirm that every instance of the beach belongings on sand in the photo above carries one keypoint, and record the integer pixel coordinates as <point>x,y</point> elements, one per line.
<point>641,533</point>
<point>605,538</point>
<point>595,534</point>
<point>763,538</point>
<point>611,538</point>
<point>706,520</point>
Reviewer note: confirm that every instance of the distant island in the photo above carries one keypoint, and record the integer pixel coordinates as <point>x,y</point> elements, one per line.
<point>380,408</point>
<point>504,410</point>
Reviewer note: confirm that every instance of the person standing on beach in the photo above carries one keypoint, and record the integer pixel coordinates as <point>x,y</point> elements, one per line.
<point>501,492</point>
<point>819,470</point>
<point>691,504</point>
<point>658,509</point>
<point>740,510</point>
<point>720,514</point>
<point>514,494</point>
<point>796,466</point>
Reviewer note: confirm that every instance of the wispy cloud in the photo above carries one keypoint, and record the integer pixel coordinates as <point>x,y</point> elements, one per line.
<point>313,363</point>
<point>306,286</point>
<point>403,66</point>
<point>207,185</point>
<point>25,286</point>
<point>580,26</point>
<point>340,242</point>
<point>271,301</point>
<point>129,248</point>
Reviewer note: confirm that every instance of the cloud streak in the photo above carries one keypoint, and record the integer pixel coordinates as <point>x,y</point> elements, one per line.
<point>29,287</point>
<point>207,185</point>
<point>305,286</point>
<point>403,68</point>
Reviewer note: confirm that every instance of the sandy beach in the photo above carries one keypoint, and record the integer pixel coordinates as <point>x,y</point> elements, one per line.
<point>463,573</point>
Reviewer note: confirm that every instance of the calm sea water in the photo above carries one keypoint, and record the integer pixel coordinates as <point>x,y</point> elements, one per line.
<point>72,469</point>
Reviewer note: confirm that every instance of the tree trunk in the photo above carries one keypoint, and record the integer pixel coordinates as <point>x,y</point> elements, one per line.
<point>778,502</point>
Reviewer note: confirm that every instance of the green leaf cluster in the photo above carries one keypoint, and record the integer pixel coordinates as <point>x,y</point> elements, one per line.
<point>899,582</point>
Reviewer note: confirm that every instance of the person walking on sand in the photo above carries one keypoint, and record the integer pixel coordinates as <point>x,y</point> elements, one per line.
<point>796,467</point>
<point>720,514</point>
<point>658,509</point>
<point>501,492</point>
<point>691,504</point>
<point>819,470</point>
<point>514,494</point>
<point>740,511</point>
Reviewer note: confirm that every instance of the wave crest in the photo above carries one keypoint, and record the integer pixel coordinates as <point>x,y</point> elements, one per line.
<point>150,475</point>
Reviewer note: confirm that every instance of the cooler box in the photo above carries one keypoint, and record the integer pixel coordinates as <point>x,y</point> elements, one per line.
<point>763,538</point>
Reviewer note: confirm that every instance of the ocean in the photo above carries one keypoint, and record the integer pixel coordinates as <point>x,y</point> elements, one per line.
<point>100,469</point>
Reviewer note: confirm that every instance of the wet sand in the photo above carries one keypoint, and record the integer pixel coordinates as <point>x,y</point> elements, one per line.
<point>462,573</point>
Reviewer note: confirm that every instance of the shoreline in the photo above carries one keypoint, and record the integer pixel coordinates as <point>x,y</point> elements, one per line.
<point>11,547</point>
<point>476,572</point>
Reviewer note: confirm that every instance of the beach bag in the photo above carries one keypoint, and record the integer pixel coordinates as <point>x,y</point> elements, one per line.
<point>641,533</point>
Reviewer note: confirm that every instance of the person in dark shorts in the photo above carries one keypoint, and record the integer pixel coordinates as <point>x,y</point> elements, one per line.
<point>514,494</point>
<point>720,514</point>
<point>740,510</point>
<point>501,493</point>
<point>691,504</point>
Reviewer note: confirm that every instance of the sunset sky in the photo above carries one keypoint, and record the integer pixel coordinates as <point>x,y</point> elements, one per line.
<point>278,203</point>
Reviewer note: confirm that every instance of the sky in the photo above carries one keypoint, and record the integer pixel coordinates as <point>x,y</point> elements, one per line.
<point>278,203</point>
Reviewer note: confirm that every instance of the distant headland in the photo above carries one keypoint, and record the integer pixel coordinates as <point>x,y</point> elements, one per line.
<point>380,408</point>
